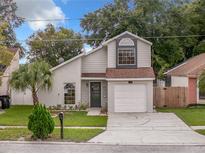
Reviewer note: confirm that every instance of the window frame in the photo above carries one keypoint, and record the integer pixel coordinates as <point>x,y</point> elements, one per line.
<point>73,101</point>
<point>201,96</point>
<point>126,48</point>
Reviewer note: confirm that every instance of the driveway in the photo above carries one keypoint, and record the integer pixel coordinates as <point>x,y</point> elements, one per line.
<point>147,129</point>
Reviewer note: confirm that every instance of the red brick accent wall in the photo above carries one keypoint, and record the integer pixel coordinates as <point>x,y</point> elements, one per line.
<point>192,90</point>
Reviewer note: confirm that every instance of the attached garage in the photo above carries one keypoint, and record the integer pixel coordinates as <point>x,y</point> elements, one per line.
<point>136,96</point>
<point>130,98</point>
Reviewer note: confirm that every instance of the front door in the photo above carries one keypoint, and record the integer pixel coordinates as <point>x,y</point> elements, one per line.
<point>95,94</point>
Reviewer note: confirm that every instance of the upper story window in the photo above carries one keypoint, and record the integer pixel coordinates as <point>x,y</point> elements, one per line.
<point>126,53</point>
<point>126,56</point>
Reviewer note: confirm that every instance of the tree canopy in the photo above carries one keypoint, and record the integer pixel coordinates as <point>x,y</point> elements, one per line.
<point>54,44</point>
<point>34,76</point>
<point>8,15</point>
<point>155,19</point>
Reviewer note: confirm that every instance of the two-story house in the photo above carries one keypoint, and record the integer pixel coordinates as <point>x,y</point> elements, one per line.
<point>116,75</point>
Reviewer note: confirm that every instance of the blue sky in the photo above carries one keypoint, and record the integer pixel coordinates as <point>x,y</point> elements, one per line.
<point>68,9</point>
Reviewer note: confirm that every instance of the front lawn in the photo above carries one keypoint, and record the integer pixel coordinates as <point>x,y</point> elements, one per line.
<point>201,131</point>
<point>191,116</point>
<point>81,119</point>
<point>17,115</point>
<point>74,135</point>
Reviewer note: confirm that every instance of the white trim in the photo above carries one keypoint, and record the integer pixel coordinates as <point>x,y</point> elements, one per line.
<point>126,32</point>
<point>92,78</point>
<point>129,79</point>
<point>197,90</point>
<point>66,62</point>
<point>93,50</point>
<point>126,48</point>
<point>175,68</point>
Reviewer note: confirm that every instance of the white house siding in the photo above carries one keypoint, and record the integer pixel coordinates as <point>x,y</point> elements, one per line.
<point>69,73</point>
<point>21,98</point>
<point>143,54</point>
<point>14,65</point>
<point>85,92</point>
<point>179,81</point>
<point>95,62</point>
<point>111,54</point>
<point>149,87</point>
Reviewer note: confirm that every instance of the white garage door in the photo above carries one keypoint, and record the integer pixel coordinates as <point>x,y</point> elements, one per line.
<point>130,98</point>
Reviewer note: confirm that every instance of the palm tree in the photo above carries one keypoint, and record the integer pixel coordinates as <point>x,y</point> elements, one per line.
<point>34,76</point>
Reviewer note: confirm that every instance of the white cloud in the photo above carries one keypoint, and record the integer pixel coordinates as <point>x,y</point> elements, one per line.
<point>64,1</point>
<point>39,10</point>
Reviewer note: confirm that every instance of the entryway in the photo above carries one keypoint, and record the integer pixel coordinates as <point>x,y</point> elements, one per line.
<point>95,94</point>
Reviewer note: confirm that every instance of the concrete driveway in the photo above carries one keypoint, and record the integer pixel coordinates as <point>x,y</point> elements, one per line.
<point>148,129</point>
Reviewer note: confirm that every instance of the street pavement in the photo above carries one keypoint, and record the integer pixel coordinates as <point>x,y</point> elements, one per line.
<point>65,147</point>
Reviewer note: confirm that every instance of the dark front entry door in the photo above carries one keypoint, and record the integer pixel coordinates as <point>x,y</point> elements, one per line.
<point>95,94</point>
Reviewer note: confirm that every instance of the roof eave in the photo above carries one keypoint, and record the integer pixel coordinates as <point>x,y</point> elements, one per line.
<point>126,32</point>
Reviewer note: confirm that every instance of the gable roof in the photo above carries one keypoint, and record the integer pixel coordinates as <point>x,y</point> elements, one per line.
<point>13,51</point>
<point>192,67</point>
<point>126,32</point>
<point>68,61</point>
<point>98,48</point>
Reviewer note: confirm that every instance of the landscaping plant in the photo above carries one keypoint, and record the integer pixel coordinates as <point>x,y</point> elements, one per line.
<point>34,76</point>
<point>41,124</point>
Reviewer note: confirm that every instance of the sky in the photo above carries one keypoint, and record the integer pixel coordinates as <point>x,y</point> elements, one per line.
<point>53,9</point>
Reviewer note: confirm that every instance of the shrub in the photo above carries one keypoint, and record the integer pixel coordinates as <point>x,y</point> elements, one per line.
<point>41,124</point>
<point>82,106</point>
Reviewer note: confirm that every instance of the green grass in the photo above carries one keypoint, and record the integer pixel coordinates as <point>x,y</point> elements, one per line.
<point>74,135</point>
<point>191,116</point>
<point>18,115</point>
<point>201,131</point>
<point>81,119</point>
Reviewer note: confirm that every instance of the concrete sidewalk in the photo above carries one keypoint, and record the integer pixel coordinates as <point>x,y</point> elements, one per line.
<point>148,129</point>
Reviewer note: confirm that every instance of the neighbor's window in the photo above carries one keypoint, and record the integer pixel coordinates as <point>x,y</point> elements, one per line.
<point>69,93</point>
<point>126,56</point>
<point>201,95</point>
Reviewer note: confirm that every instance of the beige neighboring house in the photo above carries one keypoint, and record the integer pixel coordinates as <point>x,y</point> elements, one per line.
<point>187,75</point>
<point>17,97</point>
<point>14,65</point>
<point>117,76</point>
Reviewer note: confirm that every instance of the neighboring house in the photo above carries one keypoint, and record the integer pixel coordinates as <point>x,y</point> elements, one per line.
<point>116,75</point>
<point>7,71</point>
<point>187,75</point>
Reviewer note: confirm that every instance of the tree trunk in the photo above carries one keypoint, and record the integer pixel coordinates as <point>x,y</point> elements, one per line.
<point>35,97</point>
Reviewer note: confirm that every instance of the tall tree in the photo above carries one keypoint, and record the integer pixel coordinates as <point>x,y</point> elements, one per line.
<point>106,22</point>
<point>8,14</point>
<point>34,76</point>
<point>53,44</point>
<point>152,18</point>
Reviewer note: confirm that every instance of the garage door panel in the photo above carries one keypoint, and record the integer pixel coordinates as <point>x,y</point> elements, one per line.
<point>130,98</point>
